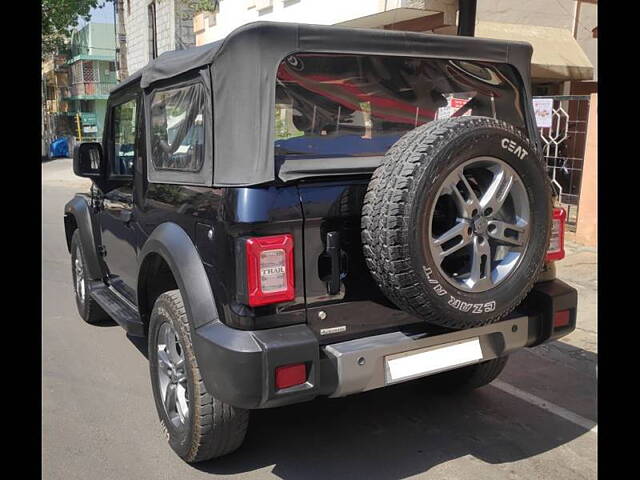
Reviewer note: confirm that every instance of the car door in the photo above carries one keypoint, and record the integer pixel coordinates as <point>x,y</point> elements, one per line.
<point>117,225</point>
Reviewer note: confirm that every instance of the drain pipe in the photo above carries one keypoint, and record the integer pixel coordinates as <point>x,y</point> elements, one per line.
<point>467,18</point>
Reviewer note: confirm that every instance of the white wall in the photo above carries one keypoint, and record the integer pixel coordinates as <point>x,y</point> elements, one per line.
<point>234,13</point>
<point>546,13</point>
<point>174,29</point>
<point>588,21</point>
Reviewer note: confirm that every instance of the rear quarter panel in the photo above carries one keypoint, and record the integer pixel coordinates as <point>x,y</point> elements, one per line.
<point>231,213</point>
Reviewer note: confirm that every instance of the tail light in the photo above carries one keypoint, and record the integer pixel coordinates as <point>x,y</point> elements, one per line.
<point>556,244</point>
<point>561,319</point>
<point>290,375</point>
<point>269,270</point>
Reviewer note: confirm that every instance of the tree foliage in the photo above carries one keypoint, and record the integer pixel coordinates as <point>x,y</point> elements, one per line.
<point>59,17</point>
<point>203,5</point>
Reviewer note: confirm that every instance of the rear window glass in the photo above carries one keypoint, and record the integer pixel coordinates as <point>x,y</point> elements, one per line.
<point>177,128</point>
<point>331,105</point>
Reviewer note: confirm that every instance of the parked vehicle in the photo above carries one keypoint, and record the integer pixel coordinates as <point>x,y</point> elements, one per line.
<point>300,211</point>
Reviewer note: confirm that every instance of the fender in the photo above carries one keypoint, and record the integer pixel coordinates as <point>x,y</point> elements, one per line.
<point>173,244</point>
<point>80,209</point>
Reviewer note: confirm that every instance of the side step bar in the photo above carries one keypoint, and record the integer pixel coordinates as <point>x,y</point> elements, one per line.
<point>118,308</point>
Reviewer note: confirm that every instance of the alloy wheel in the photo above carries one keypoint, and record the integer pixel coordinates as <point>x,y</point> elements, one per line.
<point>479,225</point>
<point>172,376</point>
<point>78,268</point>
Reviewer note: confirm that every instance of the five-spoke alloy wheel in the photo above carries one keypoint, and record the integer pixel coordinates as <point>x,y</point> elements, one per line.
<point>198,425</point>
<point>172,376</point>
<point>480,224</point>
<point>88,309</point>
<point>456,221</point>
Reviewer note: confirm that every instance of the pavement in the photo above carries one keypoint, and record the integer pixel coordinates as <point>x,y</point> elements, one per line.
<point>538,420</point>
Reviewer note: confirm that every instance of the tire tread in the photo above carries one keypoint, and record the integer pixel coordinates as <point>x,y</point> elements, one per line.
<point>386,209</point>
<point>219,428</point>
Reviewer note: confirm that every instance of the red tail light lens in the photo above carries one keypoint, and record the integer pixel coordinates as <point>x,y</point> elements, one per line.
<point>561,319</point>
<point>270,270</point>
<point>556,243</point>
<point>290,375</point>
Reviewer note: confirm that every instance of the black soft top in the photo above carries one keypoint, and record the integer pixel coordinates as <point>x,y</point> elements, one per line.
<point>243,75</point>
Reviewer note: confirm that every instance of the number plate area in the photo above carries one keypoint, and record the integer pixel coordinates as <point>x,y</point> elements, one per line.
<point>430,360</point>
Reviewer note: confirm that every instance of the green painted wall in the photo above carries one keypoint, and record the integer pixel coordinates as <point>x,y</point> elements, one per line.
<point>95,42</point>
<point>94,39</point>
<point>101,110</point>
<point>103,39</point>
<point>106,75</point>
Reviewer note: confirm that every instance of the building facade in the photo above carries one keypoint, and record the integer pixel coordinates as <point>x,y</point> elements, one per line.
<point>561,31</point>
<point>152,27</point>
<point>76,84</point>
<point>92,76</point>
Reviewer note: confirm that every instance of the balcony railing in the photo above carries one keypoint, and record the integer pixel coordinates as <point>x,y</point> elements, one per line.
<point>90,89</point>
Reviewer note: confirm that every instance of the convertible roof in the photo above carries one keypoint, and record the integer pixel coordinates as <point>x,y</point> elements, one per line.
<point>171,64</point>
<point>285,38</point>
<point>243,72</point>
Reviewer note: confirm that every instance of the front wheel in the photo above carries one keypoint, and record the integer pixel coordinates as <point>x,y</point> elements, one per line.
<point>88,308</point>
<point>197,425</point>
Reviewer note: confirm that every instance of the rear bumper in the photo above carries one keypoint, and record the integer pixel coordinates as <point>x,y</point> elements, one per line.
<point>238,367</point>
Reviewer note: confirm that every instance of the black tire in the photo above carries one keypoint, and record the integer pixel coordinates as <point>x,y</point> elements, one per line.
<point>88,309</point>
<point>466,379</point>
<point>404,188</point>
<point>212,428</point>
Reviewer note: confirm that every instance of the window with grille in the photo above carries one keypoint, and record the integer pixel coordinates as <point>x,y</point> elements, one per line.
<point>90,72</point>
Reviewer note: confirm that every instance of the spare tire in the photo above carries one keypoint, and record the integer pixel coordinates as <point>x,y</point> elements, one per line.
<point>456,221</point>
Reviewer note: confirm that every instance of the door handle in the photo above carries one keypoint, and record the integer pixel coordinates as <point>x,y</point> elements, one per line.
<point>333,252</point>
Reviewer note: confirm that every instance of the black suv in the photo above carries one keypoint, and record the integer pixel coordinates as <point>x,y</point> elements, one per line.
<point>301,210</point>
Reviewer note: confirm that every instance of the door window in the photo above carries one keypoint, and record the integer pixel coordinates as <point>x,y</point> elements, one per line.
<point>124,130</point>
<point>177,129</point>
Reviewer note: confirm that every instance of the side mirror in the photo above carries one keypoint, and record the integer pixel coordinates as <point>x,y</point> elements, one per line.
<point>87,160</point>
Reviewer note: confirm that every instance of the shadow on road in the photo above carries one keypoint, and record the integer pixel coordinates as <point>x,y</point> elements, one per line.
<point>394,433</point>
<point>140,343</point>
<point>399,431</point>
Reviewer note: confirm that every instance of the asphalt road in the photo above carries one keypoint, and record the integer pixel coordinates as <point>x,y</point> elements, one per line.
<point>99,420</point>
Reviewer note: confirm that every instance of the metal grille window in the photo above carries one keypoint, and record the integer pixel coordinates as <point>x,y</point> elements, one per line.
<point>90,72</point>
<point>76,72</point>
<point>177,129</point>
<point>564,135</point>
<point>85,72</point>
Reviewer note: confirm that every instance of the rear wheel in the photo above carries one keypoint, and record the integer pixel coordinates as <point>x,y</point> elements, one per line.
<point>197,425</point>
<point>468,378</point>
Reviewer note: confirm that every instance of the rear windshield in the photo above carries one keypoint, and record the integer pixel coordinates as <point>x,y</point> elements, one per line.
<point>330,106</point>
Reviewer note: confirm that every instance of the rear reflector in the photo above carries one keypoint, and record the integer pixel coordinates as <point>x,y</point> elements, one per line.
<point>270,270</point>
<point>290,375</point>
<point>556,243</point>
<point>561,319</point>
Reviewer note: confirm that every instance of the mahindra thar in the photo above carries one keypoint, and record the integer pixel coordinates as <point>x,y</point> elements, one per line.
<point>299,211</point>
